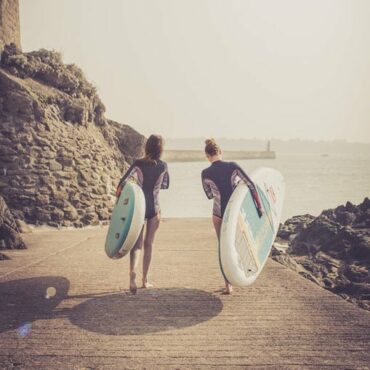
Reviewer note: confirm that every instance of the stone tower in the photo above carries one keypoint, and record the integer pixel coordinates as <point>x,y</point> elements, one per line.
<point>9,23</point>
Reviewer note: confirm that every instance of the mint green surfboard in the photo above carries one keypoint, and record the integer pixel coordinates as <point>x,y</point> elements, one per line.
<point>127,220</point>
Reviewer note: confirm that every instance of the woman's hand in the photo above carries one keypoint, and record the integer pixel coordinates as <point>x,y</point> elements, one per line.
<point>118,191</point>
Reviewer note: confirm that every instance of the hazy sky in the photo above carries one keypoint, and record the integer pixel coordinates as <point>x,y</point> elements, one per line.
<point>230,68</point>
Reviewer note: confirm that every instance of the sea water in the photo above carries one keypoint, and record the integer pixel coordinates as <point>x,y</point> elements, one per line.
<point>313,183</point>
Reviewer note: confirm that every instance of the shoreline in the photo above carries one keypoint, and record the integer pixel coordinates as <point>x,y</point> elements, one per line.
<point>103,224</point>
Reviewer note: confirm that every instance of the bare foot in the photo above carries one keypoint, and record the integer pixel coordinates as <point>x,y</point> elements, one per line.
<point>133,287</point>
<point>146,284</point>
<point>228,289</point>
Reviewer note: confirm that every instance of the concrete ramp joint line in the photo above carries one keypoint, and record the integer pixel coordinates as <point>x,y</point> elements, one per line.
<point>45,258</point>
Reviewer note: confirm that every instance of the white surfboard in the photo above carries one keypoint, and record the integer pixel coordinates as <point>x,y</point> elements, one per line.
<point>246,239</point>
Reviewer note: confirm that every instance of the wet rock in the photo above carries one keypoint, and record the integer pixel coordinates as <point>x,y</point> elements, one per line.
<point>286,260</point>
<point>333,249</point>
<point>293,226</point>
<point>9,232</point>
<point>23,227</point>
<point>3,257</point>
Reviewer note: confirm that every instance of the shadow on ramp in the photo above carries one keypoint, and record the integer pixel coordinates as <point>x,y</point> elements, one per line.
<point>26,300</point>
<point>149,311</point>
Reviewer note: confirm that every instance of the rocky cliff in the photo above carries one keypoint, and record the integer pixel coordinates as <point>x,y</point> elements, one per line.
<point>60,158</point>
<point>333,250</point>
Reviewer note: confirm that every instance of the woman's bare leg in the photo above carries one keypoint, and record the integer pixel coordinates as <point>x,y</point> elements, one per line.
<point>151,229</point>
<point>134,261</point>
<point>217,222</point>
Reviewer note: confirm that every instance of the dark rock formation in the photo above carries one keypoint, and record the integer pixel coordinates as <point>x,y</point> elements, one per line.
<point>293,226</point>
<point>3,257</point>
<point>60,158</point>
<point>333,249</point>
<point>9,233</point>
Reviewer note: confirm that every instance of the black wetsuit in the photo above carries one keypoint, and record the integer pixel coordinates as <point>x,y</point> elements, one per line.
<point>151,176</point>
<point>219,181</point>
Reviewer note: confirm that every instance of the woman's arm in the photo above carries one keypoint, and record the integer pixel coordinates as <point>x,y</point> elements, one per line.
<point>124,178</point>
<point>251,187</point>
<point>166,178</point>
<point>207,187</point>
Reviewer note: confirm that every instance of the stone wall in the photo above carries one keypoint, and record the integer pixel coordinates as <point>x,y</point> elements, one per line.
<point>60,158</point>
<point>9,23</point>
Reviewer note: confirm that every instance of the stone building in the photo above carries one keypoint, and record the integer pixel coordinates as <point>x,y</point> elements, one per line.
<point>9,23</point>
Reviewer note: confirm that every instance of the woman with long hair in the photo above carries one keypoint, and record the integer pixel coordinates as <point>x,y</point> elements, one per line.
<point>151,174</point>
<point>219,181</point>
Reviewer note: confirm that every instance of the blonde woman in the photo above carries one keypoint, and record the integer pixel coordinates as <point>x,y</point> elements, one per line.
<point>219,181</point>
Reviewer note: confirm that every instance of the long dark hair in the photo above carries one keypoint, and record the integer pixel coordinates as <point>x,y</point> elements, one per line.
<point>154,148</point>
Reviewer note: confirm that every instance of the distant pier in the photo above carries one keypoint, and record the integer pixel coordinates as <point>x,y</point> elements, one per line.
<point>198,155</point>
